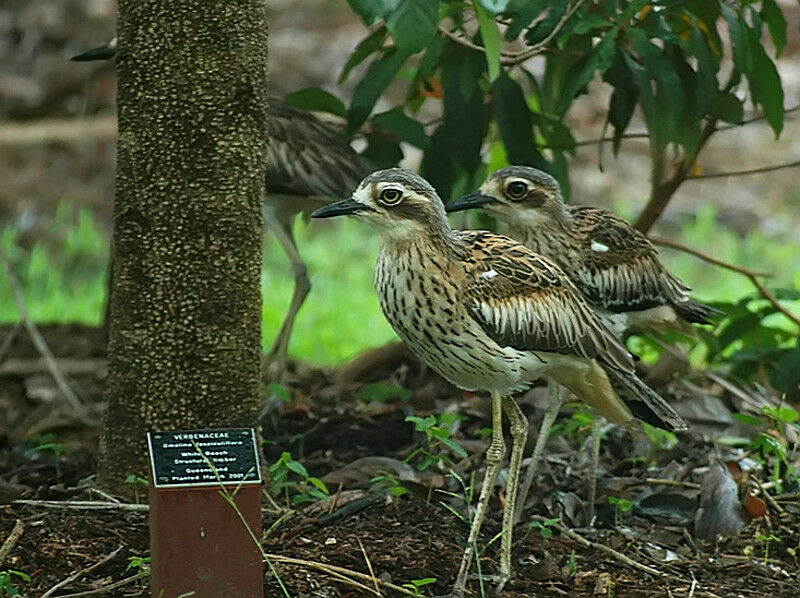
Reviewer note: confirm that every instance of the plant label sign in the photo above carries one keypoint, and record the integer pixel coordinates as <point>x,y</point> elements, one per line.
<point>205,510</point>
<point>204,457</point>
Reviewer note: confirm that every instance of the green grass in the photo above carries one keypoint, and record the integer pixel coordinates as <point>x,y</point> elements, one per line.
<point>63,278</point>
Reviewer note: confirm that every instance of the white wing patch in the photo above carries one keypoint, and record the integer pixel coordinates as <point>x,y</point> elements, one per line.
<point>599,247</point>
<point>489,274</point>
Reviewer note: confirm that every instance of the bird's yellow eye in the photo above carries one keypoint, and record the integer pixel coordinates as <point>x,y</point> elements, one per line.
<point>391,196</point>
<point>516,190</point>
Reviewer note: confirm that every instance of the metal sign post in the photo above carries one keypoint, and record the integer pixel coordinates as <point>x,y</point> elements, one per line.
<point>200,544</point>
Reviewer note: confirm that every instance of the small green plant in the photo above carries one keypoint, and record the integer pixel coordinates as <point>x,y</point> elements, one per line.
<point>416,585</point>
<point>663,439</point>
<point>439,441</point>
<point>578,426</point>
<point>572,565</point>
<point>141,565</point>
<point>385,480</point>
<point>138,563</point>
<point>278,390</point>
<point>383,392</point>
<point>8,579</point>
<point>621,506</point>
<point>545,527</point>
<point>306,489</point>
<point>136,482</point>
<point>44,443</point>
<point>766,540</point>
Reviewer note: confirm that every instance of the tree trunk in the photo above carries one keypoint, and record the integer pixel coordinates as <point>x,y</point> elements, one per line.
<point>185,335</point>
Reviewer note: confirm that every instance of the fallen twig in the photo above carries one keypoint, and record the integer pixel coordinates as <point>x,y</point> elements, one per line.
<point>41,345</point>
<point>81,573</point>
<point>596,546</point>
<point>80,505</point>
<point>769,499</point>
<point>59,130</point>
<point>106,588</point>
<point>67,367</point>
<point>369,565</point>
<point>331,569</point>
<point>11,541</point>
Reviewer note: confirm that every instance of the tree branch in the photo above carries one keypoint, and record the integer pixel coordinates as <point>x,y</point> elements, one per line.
<point>663,190</point>
<point>512,59</point>
<point>705,257</point>
<point>752,275</point>
<point>717,175</point>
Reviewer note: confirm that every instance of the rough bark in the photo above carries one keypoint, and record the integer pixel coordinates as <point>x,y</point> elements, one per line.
<point>185,335</point>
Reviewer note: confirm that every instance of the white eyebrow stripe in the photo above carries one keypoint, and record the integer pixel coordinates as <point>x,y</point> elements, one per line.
<point>489,274</point>
<point>599,247</point>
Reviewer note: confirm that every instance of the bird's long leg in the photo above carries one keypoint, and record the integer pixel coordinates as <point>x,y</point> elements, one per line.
<point>282,228</point>
<point>494,458</point>
<point>553,405</point>
<point>597,424</point>
<point>519,434</point>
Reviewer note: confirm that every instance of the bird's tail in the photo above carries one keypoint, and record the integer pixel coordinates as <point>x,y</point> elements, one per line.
<point>645,403</point>
<point>696,311</point>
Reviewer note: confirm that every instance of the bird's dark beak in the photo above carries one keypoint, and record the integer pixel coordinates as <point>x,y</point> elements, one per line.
<point>473,200</point>
<point>99,53</point>
<point>340,208</point>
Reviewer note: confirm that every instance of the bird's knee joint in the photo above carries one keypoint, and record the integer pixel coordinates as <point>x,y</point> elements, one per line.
<point>495,453</point>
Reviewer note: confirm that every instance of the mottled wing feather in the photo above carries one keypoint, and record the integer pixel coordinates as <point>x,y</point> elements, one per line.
<point>628,274</point>
<point>528,303</point>
<point>305,156</point>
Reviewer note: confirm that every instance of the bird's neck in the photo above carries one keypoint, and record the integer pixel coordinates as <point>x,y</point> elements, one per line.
<point>436,240</point>
<point>556,222</point>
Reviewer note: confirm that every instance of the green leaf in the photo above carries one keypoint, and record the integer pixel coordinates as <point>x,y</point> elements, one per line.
<point>317,100</point>
<point>728,107</point>
<point>776,23</point>
<point>590,22</point>
<point>493,6</point>
<point>371,11</point>
<point>515,122</point>
<point>599,59</point>
<point>555,10</point>
<point>524,13</point>
<point>623,98</point>
<point>404,127</point>
<point>297,467</point>
<point>381,151</point>
<point>413,24</point>
<point>421,424</point>
<point>365,47</point>
<point>491,40</point>
<point>377,78</point>
<point>465,118</point>
<point>765,83</point>
<point>454,446</point>
<point>748,419</point>
<point>383,391</point>
<point>316,482</point>
<point>782,413</point>
<point>741,48</point>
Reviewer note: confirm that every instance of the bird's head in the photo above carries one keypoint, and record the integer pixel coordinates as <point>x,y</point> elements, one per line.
<point>515,194</point>
<point>398,202</point>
